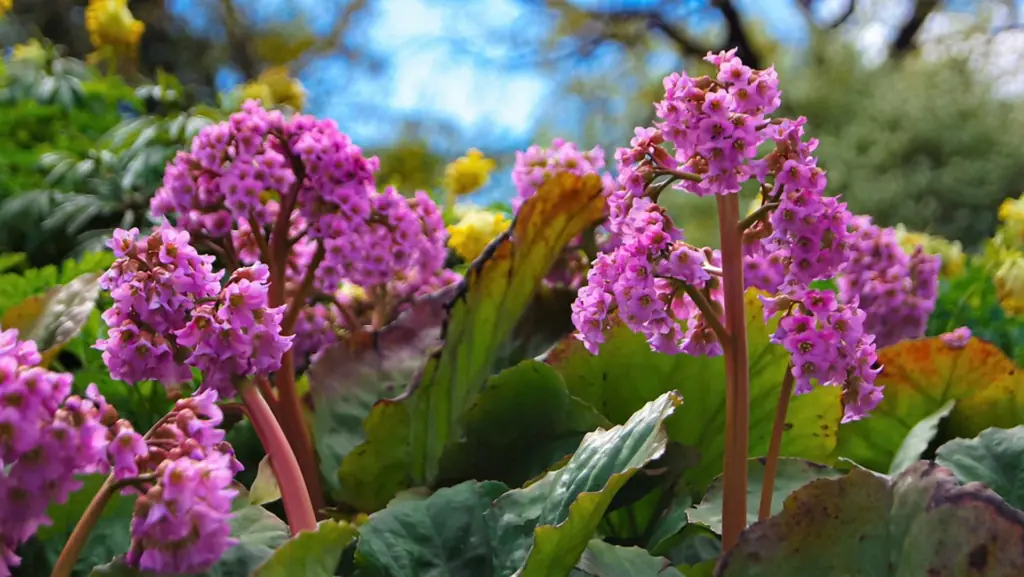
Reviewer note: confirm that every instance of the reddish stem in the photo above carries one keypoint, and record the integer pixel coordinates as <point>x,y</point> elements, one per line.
<point>293,421</point>
<point>737,396</point>
<point>295,496</point>
<point>771,463</point>
<point>289,407</point>
<point>80,534</point>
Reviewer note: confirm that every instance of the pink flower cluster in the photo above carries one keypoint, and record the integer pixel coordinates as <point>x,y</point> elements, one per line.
<point>829,346</point>
<point>182,515</point>
<point>170,313</point>
<point>663,288</point>
<point>807,236</point>
<point>641,280</point>
<point>896,290</point>
<point>716,124</point>
<point>536,164</point>
<point>46,439</point>
<point>241,174</point>
<point>238,334</point>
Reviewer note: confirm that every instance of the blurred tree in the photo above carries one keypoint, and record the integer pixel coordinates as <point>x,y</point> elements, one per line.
<point>899,142</point>
<point>214,35</point>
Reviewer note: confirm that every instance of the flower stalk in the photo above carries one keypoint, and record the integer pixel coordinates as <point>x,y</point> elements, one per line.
<point>771,464</point>
<point>737,395</point>
<point>80,534</point>
<point>296,498</point>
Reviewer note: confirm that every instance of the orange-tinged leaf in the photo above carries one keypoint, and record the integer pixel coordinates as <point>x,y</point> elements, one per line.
<point>919,377</point>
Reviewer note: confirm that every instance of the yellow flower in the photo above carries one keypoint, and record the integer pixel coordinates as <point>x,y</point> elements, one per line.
<point>474,231</point>
<point>467,173</point>
<point>31,51</point>
<point>951,252</point>
<point>111,24</point>
<point>274,87</point>
<point>258,91</point>
<point>1009,281</point>
<point>1011,214</point>
<point>5,7</point>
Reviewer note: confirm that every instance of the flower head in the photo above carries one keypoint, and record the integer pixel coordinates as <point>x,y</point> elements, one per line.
<point>46,439</point>
<point>537,164</point>
<point>897,291</point>
<point>475,230</point>
<point>468,173</point>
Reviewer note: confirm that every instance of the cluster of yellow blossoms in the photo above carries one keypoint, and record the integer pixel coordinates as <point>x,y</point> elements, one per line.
<point>113,29</point>
<point>1005,255</point>
<point>5,7</point>
<point>476,227</point>
<point>274,87</point>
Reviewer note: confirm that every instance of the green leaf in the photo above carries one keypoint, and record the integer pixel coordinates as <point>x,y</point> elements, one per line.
<point>601,559</point>
<point>265,488</point>
<point>790,476</point>
<point>923,523</point>
<point>542,529</point>
<point>349,377</point>
<point>444,534</point>
<point>310,553</point>
<point>522,422</point>
<point>259,533</point>
<point>109,537</point>
<point>919,377</point>
<point>995,458</point>
<point>918,439</point>
<point>626,374</point>
<point>407,436</point>
<point>54,319</point>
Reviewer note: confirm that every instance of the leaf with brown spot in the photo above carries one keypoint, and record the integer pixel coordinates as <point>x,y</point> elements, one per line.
<point>923,522</point>
<point>921,376</point>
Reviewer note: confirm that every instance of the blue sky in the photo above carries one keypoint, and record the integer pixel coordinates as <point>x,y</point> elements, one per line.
<point>432,79</point>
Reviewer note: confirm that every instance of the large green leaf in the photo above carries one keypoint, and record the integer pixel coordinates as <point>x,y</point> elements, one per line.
<point>626,374</point>
<point>920,377</point>
<point>310,553</point>
<point>349,377</point>
<point>542,529</point>
<point>995,458</point>
<point>522,422</point>
<point>259,533</point>
<point>108,538</point>
<point>790,476</point>
<point>602,559</point>
<point>922,523</point>
<point>407,436</point>
<point>444,534</point>
<point>913,447</point>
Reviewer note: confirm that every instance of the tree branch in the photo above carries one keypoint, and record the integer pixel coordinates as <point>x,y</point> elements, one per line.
<point>904,42</point>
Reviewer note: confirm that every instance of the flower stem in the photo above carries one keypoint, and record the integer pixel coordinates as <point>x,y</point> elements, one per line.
<point>293,422</point>
<point>771,464</point>
<point>757,215</point>
<point>737,394</point>
<point>80,535</point>
<point>705,308</point>
<point>294,494</point>
<point>76,542</point>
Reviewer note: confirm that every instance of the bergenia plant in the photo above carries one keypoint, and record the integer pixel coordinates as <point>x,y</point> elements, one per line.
<point>690,300</point>
<point>276,252</point>
<point>270,224</point>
